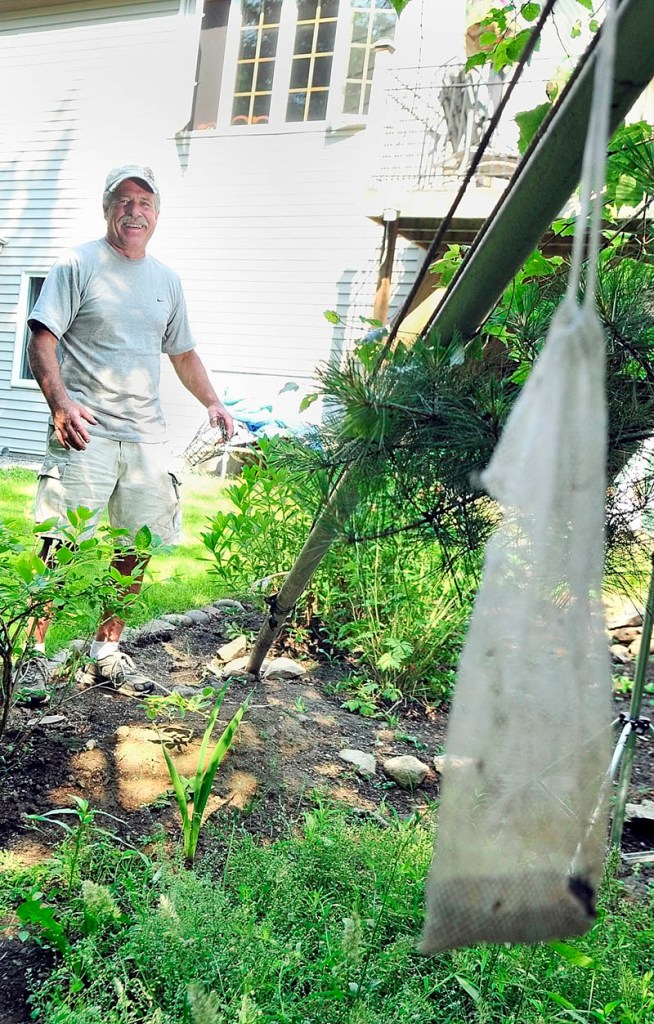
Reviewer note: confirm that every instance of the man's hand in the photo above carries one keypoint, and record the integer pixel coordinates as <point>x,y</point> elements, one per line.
<point>219,417</point>
<point>69,425</point>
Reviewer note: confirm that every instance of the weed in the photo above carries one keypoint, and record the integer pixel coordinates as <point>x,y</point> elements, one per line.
<point>198,789</point>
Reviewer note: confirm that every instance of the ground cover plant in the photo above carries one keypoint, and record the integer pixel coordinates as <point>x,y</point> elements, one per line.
<point>320,925</point>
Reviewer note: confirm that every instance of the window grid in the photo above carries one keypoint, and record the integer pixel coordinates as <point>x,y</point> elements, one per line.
<point>252,105</point>
<point>34,285</point>
<point>308,101</point>
<point>380,24</point>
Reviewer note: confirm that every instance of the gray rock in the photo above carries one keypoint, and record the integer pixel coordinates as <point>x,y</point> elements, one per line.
<point>406,770</point>
<point>187,689</point>
<point>177,619</point>
<point>213,613</point>
<point>48,720</point>
<point>226,604</point>
<point>197,617</point>
<point>365,764</point>
<point>156,629</point>
<point>283,668</point>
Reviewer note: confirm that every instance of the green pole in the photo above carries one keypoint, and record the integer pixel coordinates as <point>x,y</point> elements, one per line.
<point>640,676</point>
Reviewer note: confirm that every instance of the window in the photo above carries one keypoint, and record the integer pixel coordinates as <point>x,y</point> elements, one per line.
<point>311,65</point>
<point>255,67</point>
<point>30,289</point>
<point>288,61</point>
<point>372,20</point>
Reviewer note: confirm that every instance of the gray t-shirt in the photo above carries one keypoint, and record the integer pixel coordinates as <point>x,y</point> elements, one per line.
<point>114,317</point>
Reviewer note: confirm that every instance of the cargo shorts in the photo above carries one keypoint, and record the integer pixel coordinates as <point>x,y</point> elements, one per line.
<point>134,482</point>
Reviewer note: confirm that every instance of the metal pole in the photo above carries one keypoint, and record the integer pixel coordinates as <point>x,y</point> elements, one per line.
<point>640,676</point>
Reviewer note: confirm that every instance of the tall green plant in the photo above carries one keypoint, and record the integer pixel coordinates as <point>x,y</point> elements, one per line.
<point>199,788</point>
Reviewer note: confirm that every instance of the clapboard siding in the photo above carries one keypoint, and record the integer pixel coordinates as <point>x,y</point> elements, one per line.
<point>265,229</point>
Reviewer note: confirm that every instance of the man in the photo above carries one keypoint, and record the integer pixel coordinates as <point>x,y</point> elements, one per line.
<point>105,314</point>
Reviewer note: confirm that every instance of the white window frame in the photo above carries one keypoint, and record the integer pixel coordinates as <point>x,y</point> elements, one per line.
<point>277,123</point>
<point>22,332</point>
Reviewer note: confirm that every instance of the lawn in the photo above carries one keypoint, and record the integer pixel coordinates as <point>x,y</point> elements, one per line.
<point>177,579</point>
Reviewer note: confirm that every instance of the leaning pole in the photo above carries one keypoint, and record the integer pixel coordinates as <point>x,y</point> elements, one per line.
<point>543,182</point>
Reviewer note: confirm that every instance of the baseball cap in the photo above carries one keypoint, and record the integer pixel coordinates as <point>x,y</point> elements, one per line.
<point>141,173</point>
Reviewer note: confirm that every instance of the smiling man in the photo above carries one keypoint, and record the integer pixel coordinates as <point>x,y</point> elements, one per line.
<point>106,313</point>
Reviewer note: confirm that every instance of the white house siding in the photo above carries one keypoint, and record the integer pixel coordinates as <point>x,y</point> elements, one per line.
<point>266,230</point>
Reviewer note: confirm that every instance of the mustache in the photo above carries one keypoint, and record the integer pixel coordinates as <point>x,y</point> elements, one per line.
<point>133,222</point>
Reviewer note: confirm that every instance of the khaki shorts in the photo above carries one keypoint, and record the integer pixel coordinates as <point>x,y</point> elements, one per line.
<point>134,482</point>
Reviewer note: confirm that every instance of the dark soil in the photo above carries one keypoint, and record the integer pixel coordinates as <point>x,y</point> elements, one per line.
<point>285,757</point>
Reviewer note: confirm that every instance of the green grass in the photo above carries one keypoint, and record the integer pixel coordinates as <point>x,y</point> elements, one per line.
<point>318,927</point>
<point>177,579</point>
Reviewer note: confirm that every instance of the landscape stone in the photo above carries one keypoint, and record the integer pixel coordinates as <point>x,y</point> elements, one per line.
<point>156,629</point>
<point>48,720</point>
<point>237,667</point>
<point>634,647</point>
<point>620,653</point>
<point>406,770</point>
<point>177,619</point>
<point>453,763</point>
<point>186,689</point>
<point>213,613</point>
<point>365,764</point>
<point>283,668</point>
<point>197,617</point>
<point>626,635</point>
<point>236,648</point>
<point>228,605</point>
<point>643,811</point>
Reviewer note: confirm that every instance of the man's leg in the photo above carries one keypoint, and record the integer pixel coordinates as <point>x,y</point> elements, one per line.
<point>145,493</point>
<point>111,626</point>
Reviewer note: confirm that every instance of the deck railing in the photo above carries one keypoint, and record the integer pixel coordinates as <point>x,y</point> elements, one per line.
<point>432,119</point>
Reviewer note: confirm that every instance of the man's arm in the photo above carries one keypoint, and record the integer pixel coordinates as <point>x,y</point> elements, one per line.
<point>68,417</point>
<point>190,370</point>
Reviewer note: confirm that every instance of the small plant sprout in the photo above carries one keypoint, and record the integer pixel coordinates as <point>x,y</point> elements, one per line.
<point>197,790</point>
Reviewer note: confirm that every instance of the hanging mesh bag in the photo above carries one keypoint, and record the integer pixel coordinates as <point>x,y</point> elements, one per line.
<point>522,821</point>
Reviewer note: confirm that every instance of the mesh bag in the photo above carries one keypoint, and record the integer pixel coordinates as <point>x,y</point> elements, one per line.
<point>522,820</point>
<point>210,441</point>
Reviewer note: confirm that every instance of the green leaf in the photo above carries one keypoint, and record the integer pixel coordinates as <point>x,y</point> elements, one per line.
<point>399,5</point>
<point>572,954</point>
<point>477,60</point>
<point>530,11</point>
<point>529,121</point>
<point>468,987</point>
<point>588,4</point>
<point>307,401</point>
<point>567,1005</point>
<point>332,316</point>
<point>515,46</point>
<point>143,538</point>
<point>180,791</point>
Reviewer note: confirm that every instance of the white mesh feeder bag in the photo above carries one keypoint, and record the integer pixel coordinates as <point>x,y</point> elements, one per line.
<point>522,821</point>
